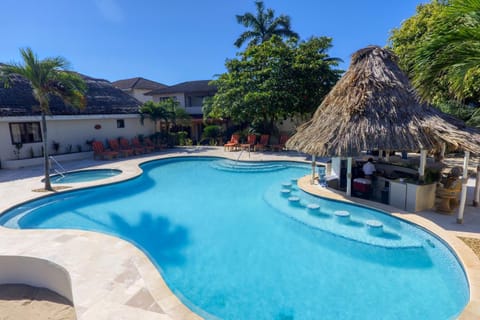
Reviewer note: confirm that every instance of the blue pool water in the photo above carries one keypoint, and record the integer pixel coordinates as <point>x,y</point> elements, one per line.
<point>84,175</point>
<point>231,246</point>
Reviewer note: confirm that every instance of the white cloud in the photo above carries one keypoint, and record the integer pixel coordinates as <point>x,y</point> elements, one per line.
<point>110,10</point>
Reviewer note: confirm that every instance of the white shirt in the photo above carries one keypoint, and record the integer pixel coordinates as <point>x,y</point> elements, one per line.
<point>368,168</point>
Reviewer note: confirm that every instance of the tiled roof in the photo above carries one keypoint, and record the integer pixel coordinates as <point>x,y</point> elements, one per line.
<point>138,83</point>
<point>186,87</point>
<point>102,98</point>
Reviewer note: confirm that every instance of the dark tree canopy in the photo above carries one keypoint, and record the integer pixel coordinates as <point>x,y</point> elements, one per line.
<point>274,81</point>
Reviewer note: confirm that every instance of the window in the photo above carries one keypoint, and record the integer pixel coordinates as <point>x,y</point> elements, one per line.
<point>25,132</point>
<point>161,99</point>
<point>195,101</point>
<point>120,123</point>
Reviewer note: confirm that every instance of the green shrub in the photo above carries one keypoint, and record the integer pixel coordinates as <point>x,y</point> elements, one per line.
<point>181,137</point>
<point>212,131</point>
<point>172,139</point>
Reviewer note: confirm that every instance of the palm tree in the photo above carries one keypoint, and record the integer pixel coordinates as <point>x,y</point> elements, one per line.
<point>263,26</point>
<point>451,57</point>
<point>48,77</point>
<point>178,115</point>
<point>153,111</point>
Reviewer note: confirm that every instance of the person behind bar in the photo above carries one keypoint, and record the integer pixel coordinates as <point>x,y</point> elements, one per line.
<point>368,169</point>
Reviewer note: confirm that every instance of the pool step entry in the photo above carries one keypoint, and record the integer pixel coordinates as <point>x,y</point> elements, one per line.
<point>246,166</point>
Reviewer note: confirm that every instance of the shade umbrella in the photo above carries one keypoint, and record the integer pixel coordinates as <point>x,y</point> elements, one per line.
<point>374,106</point>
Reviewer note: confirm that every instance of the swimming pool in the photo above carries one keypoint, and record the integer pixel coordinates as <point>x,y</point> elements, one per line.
<point>231,246</point>
<point>84,175</point>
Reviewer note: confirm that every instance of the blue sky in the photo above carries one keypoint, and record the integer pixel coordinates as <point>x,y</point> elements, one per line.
<point>179,40</point>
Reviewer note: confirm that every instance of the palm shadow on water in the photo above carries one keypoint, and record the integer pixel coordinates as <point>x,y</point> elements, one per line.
<point>161,240</point>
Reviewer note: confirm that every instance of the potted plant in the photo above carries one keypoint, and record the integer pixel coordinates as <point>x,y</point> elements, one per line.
<point>18,147</point>
<point>56,146</point>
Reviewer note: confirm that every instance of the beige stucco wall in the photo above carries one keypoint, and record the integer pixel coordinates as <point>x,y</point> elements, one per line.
<point>74,131</point>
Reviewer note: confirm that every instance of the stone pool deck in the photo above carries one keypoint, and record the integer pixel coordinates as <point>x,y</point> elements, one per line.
<point>112,279</point>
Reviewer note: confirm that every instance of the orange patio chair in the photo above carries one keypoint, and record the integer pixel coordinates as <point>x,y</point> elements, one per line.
<point>263,143</point>
<point>251,140</point>
<point>147,143</point>
<point>233,143</point>
<point>125,152</point>
<point>99,151</point>
<point>125,145</point>
<point>281,143</point>
<point>137,145</point>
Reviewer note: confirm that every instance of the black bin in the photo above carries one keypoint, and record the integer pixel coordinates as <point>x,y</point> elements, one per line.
<point>384,195</point>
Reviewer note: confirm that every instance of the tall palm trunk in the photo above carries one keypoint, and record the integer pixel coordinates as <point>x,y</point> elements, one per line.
<point>46,162</point>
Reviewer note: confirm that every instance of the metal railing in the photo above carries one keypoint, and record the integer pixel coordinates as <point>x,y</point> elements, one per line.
<point>62,170</point>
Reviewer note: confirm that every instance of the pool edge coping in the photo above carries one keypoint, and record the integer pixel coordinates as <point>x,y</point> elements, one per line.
<point>172,305</point>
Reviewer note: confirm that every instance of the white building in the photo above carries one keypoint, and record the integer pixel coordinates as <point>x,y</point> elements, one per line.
<point>190,96</point>
<point>110,113</point>
<point>137,87</point>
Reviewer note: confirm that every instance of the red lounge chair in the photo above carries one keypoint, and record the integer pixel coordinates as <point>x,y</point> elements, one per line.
<point>125,145</point>
<point>233,143</point>
<point>137,145</point>
<point>262,145</point>
<point>125,152</point>
<point>251,140</point>
<point>281,143</point>
<point>99,151</point>
<point>148,144</point>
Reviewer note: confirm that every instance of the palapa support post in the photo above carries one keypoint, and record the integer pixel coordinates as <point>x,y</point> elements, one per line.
<point>387,155</point>
<point>421,167</point>
<point>476,193</point>
<point>442,151</point>
<point>349,176</point>
<point>313,170</point>
<point>463,195</point>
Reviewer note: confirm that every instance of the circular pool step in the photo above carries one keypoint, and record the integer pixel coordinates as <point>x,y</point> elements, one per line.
<point>374,227</point>
<point>342,216</point>
<point>313,208</point>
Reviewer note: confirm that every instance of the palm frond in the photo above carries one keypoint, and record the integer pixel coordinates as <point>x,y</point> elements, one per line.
<point>263,25</point>
<point>246,36</point>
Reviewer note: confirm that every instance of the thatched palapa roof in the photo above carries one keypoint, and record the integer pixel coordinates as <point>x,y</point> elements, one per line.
<point>102,98</point>
<point>374,106</point>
